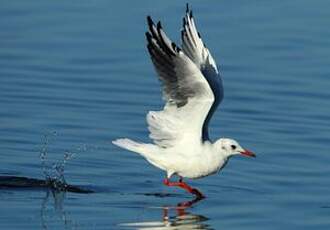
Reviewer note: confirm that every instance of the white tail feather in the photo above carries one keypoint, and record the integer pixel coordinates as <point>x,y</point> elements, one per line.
<point>146,150</point>
<point>129,144</point>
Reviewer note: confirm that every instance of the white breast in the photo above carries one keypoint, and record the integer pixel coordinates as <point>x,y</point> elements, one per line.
<point>195,162</point>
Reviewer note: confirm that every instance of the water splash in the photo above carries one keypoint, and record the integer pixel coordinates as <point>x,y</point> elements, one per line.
<point>54,173</point>
<point>44,151</point>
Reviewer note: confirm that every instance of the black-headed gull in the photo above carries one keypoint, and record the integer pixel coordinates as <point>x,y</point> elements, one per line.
<point>192,90</point>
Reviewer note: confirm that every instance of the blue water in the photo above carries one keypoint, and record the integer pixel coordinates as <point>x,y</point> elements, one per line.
<point>78,71</point>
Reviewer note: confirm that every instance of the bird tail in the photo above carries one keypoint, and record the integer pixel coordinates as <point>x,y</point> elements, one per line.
<point>148,151</point>
<point>131,145</point>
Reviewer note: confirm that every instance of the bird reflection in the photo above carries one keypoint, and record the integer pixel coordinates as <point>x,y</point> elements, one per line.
<point>48,216</point>
<point>175,217</point>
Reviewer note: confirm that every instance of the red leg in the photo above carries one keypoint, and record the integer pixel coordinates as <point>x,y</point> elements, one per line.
<point>185,186</point>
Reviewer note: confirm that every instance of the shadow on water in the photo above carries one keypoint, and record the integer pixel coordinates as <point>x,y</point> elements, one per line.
<point>173,217</point>
<point>15,182</point>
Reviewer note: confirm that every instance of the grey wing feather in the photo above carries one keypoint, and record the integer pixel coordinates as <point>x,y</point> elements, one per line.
<point>175,70</point>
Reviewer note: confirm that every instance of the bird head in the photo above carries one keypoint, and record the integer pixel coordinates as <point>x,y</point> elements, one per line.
<point>231,147</point>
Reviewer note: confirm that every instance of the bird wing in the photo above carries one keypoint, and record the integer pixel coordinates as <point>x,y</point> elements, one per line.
<point>195,49</point>
<point>186,91</point>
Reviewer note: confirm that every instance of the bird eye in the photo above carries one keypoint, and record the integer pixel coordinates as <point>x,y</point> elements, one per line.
<point>233,147</point>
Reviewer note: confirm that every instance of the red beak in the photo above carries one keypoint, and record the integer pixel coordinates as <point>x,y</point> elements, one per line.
<point>248,153</point>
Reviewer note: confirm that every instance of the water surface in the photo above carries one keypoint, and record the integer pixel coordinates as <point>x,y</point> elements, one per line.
<point>81,69</point>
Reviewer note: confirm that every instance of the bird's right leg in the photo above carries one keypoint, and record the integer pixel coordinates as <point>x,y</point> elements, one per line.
<point>185,186</point>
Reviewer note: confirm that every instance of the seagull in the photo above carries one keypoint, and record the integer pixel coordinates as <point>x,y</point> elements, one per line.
<point>192,90</point>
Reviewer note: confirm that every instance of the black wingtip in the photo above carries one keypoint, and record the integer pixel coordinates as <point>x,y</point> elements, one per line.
<point>148,36</point>
<point>150,23</point>
<point>159,26</point>
<point>149,49</point>
<point>149,20</point>
<point>184,22</point>
<point>173,46</point>
<point>189,11</point>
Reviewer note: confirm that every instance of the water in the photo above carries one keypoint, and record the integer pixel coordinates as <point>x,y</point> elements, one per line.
<point>81,69</point>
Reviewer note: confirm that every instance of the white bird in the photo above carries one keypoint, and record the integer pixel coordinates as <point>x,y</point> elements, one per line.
<point>192,90</point>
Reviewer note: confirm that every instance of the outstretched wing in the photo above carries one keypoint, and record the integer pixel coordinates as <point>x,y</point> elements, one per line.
<point>180,77</point>
<point>195,49</point>
<point>186,91</point>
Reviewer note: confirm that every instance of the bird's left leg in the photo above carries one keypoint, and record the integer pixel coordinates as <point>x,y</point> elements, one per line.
<point>185,186</point>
